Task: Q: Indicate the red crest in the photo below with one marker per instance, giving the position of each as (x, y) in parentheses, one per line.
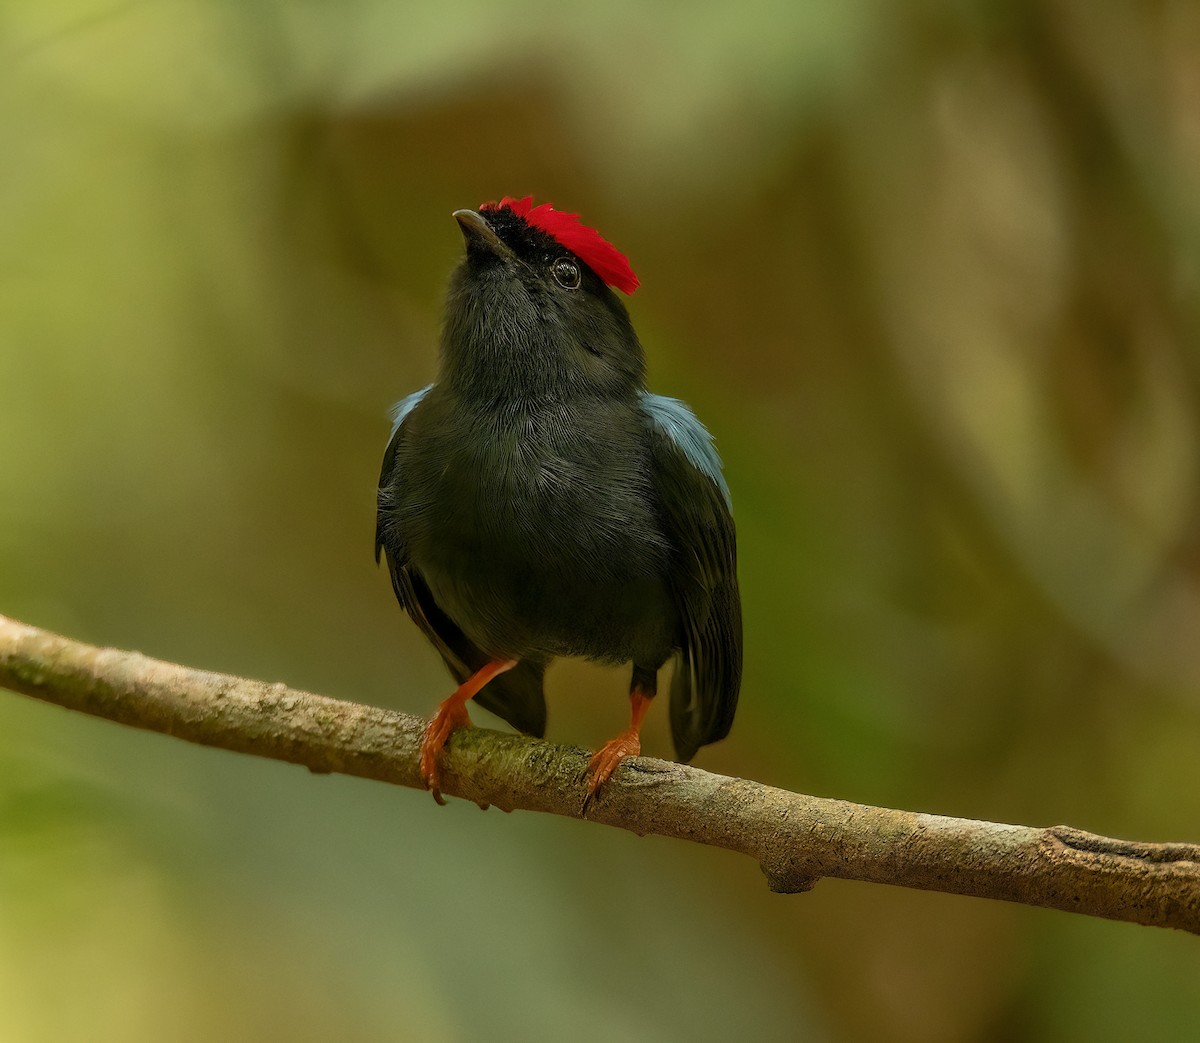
(585, 243)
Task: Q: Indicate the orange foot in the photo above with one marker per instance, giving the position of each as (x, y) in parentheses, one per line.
(606, 759)
(627, 744)
(451, 716)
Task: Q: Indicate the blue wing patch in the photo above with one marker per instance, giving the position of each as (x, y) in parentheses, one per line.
(680, 425)
(405, 406)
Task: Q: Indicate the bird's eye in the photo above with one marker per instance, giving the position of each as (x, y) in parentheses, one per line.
(566, 273)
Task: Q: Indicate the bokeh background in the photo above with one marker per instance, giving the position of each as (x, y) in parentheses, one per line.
(929, 271)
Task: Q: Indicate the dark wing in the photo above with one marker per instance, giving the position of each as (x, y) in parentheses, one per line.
(387, 536)
(517, 695)
(697, 519)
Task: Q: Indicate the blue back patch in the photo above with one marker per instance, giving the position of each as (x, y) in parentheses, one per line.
(405, 406)
(676, 420)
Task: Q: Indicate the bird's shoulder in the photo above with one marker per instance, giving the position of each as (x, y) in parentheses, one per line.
(688, 441)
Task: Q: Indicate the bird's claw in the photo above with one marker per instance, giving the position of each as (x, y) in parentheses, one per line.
(605, 760)
(449, 718)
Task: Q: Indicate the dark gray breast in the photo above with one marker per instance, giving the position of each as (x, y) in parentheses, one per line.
(536, 527)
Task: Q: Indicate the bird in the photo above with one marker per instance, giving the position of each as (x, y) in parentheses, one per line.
(536, 501)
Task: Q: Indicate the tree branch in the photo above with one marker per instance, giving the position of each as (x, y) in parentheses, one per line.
(796, 839)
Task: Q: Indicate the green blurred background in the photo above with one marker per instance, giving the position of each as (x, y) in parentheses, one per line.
(930, 272)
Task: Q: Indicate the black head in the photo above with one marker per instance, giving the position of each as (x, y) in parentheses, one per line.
(527, 317)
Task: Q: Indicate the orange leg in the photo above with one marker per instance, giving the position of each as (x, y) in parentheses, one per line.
(450, 716)
(627, 744)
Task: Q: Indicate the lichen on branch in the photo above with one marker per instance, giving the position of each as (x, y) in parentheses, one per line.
(795, 838)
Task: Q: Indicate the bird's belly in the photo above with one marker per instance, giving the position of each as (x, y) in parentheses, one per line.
(534, 615)
(553, 579)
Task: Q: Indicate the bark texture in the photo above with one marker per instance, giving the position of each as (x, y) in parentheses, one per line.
(796, 839)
